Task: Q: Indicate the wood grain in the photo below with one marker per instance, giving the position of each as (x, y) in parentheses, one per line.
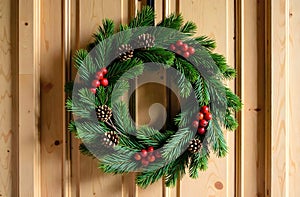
(280, 99)
(28, 101)
(52, 100)
(6, 112)
(293, 93)
(285, 91)
(91, 13)
(252, 122)
(214, 19)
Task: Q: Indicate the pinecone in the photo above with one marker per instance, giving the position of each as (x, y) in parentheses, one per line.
(145, 41)
(110, 138)
(125, 52)
(103, 113)
(195, 146)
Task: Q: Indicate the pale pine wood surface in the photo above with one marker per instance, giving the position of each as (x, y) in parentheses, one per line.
(294, 104)
(5, 100)
(285, 102)
(280, 102)
(214, 19)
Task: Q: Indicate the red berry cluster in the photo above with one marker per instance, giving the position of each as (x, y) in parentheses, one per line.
(99, 80)
(147, 156)
(182, 48)
(203, 118)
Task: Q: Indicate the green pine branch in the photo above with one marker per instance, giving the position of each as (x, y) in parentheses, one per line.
(119, 161)
(230, 122)
(144, 18)
(216, 138)
(233, 101)
(177, 169)
(199, 161)
(78, 109)
(157, 55)
(122, 118)
(146, 178)
(177, 144)
(173, 21)
(127, 70)
(152, 137)
(189, 28)
(85, 65)
(88, 131)
(202, 91)
(105, 31)
(206, 42)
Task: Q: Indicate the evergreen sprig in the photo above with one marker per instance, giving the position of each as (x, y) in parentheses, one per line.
(144, 18)
(173, 21)
(177, 144)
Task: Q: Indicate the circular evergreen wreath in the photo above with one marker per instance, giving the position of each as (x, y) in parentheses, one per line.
(107, 71)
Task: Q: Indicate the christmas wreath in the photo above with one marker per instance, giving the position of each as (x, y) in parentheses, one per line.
(108, 70)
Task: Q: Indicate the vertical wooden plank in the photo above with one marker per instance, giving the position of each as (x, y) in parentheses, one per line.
(293, 96)
(294, 93)
(144, 102)
(6, 112)
(74, 142)
(92, 182)
(253, 107)
(230, 56)
(66, 64)
(280, 102)
(262, 101)
(52, 99)
(27, 89)
(214, 19)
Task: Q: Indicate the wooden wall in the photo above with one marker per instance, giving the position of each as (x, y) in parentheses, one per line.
(5, 99)
(39, 158)
(284, 67)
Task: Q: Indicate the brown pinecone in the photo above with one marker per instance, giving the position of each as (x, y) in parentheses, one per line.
(145, 41)
(195, 146)
(110, 138)
(125, 52)
(103, 113)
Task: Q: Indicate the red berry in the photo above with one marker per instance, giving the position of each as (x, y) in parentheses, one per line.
(157, 154)
(104, 71)
(195, 123)
(99, 75)
(93, 90)
(191, 50)
(203, 123)
(150, 149)
(172, 47)
(184, 47)
(179, 43)
(186, 54)
(145, 162)
(144, 153)
(208, 116)
(95, 83)
(151, 158)
(204, 109)
(137, 156)
(200, 116)
(201, 130)
(178, 52)
(104, 82)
